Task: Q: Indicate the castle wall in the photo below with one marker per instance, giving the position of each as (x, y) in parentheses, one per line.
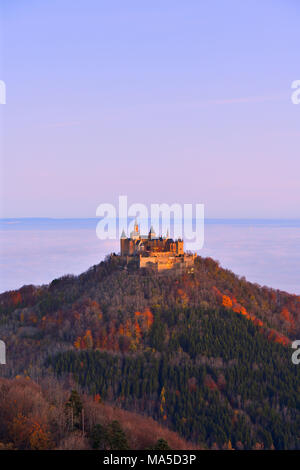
(130, 246)
(163, 261)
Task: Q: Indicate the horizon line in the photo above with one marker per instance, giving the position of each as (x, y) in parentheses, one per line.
(132, 217)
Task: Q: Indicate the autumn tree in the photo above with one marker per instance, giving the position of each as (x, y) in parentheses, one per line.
(74, 408)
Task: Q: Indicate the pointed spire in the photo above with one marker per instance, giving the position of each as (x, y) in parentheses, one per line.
(135, 234)
(152, 233)
(136, 226)
(123, 235)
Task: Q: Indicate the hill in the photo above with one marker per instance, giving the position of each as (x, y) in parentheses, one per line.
(207, 353)
(38, 416)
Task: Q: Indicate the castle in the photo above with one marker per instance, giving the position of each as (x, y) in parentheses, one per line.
(159, 252)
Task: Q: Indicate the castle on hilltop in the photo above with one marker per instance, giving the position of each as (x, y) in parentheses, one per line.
(159, 252)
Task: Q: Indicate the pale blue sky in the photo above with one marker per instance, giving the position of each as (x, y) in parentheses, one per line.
(164, 101)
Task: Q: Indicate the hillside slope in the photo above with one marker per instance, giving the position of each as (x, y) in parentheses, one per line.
(37, 417)
(205, 353)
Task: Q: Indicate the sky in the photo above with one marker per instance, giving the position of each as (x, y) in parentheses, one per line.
(163, 101)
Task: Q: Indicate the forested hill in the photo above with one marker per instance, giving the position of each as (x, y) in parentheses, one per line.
(109, 297)
(206, 353)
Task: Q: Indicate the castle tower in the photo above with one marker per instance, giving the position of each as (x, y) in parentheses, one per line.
(135, 234)
(136, 227)
(123, 243)
(151, 234)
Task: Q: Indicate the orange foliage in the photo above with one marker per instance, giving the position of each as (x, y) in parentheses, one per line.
(121, 329)
(278, 338)
(226, 301)
(88, 339)
(15, 298)
(273, 335)
(286, 315)
(86, 342)
(77, 343)
(29, 434)
(146, 318)
(183, 297)
(39, 439)
(97, 398)
(149, 317)
(138, 332)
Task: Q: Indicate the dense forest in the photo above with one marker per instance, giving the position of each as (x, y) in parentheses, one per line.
(205, 354)
(53, 415)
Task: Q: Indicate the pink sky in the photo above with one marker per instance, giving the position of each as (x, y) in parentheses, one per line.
(161, 101)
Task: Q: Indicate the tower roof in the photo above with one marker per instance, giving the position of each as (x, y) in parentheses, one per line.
(136, 231)
(123, 235)
(152, 233)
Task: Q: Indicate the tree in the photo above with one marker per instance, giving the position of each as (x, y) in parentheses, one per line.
(111, 437)
(116, 437)
(74, 407)
(161, 444)
(98, 437)
(39, 438)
